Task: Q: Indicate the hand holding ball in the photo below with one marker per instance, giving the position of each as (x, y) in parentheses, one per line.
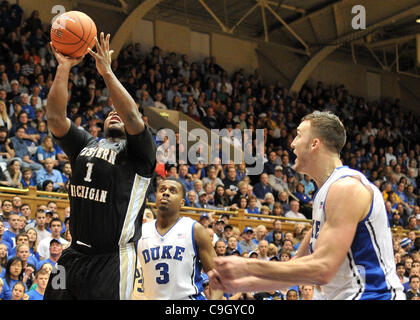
(73, 33)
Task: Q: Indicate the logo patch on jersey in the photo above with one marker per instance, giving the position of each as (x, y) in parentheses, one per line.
(182, 236)
(321, 205)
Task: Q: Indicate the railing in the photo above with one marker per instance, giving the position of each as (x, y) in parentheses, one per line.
(238, 218)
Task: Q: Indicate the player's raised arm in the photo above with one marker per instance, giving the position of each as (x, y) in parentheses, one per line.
(56, 108)
(123, 102)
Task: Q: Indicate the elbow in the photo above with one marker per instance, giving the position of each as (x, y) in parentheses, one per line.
(325, 274)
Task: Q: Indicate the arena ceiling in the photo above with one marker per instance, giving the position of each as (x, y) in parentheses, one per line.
(305, 27)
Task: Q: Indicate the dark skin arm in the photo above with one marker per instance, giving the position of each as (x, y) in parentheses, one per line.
(124, 104)
(56, 107)
(206, 254)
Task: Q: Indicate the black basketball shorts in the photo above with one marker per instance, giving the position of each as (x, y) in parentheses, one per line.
(93, 276)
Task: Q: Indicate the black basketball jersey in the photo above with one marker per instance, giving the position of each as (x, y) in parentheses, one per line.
(108, 187)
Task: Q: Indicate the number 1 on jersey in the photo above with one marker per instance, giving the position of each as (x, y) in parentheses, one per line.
(89, 166)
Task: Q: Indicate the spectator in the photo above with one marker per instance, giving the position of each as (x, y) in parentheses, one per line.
(9, 236)
(307, 292)
(220, 248)
(18, 291)
(294, 211)
(414, 290)
(12, 174)
(232, 246)
(277, 226)
(292, 295)
(308, 185)
(252, 205)
(40, 224)
(27, 178)
(220, 197)
(6, 147)
(185, 177)
(284, 201)
(22, 151)
(400, 269)
(212, 177)
(23, 253)
(49, 173)
(55, 251)
(56, 228)
(218, 228)
(41, 279)
(263, 250)
(277, 181)
(205, 220)
(46, 151)
(13, 275)
(412, 223)
(246, 244)
(262, 187)
(66, 172)
(4, 118)
(288, 247)
(203, 201)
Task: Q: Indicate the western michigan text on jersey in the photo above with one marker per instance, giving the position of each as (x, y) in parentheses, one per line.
(88, 193)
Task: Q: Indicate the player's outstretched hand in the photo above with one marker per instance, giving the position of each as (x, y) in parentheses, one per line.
(63, 60)
(229, 274)
(103, 55)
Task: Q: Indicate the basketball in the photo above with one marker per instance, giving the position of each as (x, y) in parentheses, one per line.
(72, 33)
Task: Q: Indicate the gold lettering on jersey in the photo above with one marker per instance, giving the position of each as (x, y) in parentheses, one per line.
(88, 193)
(100, 153)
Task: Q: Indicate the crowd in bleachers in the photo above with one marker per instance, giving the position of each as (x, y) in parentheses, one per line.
(382, 143)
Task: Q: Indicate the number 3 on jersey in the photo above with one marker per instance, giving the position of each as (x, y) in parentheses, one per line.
(164, 275)
(89, 166)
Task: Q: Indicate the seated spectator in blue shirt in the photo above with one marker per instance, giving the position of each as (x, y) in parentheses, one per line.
(41, 278)
(262, 187)
(26, 107)
(21, 150)
(400, 192)
(46, 151)
(9, 236)
(308, 184)
(66, 172)
(191, 199)
(27, 178)
(4, 251)
(300, 194)
(252, 205)
(198, 169)
(14, 274)
(185, 177)
(30, 136)
(49, 173)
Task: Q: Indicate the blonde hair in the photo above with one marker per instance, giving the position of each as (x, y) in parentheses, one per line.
(44, 146)
(3, 113)
(272, 250)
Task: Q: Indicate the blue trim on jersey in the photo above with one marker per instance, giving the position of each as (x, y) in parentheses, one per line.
(196, 277)
(192, 238)
(364, 254)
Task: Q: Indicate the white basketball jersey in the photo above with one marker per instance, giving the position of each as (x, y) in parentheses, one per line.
(170, 263)
(368, 272)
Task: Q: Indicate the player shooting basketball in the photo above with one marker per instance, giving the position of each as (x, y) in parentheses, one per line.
(107, 188)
